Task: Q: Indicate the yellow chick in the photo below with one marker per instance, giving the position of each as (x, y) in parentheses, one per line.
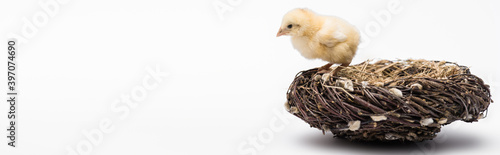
(321, 37)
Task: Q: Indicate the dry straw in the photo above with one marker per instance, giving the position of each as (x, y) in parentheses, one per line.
(405, 100)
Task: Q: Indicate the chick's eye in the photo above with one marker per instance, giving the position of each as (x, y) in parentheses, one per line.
(289, 26)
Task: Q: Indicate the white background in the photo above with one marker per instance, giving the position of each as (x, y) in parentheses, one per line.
(227, 76)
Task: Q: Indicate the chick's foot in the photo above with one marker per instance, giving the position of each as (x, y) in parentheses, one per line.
(342, 66)
(325, 69)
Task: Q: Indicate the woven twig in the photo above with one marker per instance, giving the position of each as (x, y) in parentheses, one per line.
(406, 100)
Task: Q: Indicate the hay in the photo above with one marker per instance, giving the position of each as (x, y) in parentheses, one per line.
(404, 100)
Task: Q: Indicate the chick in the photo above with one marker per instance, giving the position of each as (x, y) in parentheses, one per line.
(321, 37)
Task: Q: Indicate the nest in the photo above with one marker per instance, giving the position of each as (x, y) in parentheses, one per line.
(404, 100)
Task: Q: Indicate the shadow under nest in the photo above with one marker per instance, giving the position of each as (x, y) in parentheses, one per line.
(404, 100)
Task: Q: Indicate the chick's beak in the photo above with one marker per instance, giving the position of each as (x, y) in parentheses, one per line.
(280, 33)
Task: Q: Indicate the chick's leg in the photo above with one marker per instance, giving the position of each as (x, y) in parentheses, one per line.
(342, 66)
(325, 68)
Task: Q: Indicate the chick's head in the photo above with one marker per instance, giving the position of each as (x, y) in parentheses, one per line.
(295, 22)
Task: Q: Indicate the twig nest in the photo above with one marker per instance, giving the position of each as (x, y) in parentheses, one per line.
(406, 100)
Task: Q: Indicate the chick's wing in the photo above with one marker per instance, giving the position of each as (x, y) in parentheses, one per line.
(330, 34)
